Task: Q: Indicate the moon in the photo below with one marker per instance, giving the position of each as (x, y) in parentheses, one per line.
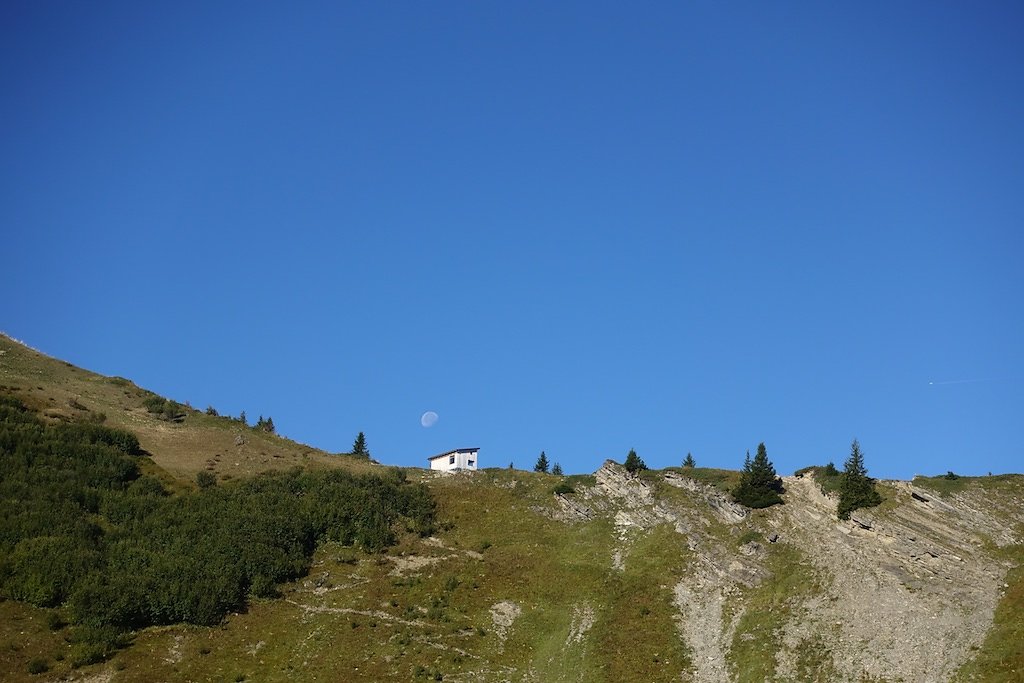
(428, 419)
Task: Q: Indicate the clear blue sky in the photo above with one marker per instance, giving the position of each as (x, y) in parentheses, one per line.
(577, 227)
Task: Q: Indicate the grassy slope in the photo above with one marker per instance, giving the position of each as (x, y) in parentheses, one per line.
(200, 442)
(354, 618)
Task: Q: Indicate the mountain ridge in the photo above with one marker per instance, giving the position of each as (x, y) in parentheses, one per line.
(653, 576)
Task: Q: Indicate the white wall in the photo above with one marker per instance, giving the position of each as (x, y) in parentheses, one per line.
(464, 460)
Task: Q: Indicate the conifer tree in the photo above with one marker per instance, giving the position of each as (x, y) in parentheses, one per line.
(542, 463)
(556, 470)
(359, 447)
(759, 485)
(856, 489)
(633, 462)
(689, 462)
(241, 418)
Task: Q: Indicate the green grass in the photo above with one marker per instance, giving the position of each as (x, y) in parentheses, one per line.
(767, 608)
(637, 635)
(1001, 657)
(725, 480)
(199, 442)
(943, 486)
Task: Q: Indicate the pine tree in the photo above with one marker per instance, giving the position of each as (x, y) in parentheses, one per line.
(633, 462)
(268, 425)
(689, 462)
(856, 489)
(241, 418)
(542, 463)
(556, 470)
(359, 447)
(759, 485)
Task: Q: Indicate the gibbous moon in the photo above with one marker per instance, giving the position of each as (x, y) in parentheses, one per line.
(428, 419)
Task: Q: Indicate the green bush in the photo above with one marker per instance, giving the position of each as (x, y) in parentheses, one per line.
(38, 666)
(563, 488)
(165, 409)
(749, 536)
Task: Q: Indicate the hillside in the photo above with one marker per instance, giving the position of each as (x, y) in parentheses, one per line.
(181, 448)
(652, 578)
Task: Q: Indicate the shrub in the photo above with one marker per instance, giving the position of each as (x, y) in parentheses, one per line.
(154, 404)
(749, 536)
(206, 480)
(563, 489)
(38, 666)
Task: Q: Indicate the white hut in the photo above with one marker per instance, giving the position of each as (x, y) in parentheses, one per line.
(452, 461)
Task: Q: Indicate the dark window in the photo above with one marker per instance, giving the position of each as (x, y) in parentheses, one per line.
(451, 459)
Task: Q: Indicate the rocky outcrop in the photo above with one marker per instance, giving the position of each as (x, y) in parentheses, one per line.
(909, 589)
(721, 505)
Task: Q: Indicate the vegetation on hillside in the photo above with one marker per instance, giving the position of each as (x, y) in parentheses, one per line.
(856, 489)
(542, 463)
(85, 529)
(634, 463)
(853, 486)
(359, 446)
(759, 486)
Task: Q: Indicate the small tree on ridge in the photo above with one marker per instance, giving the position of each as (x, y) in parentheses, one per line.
(759, 485)
(634, 463)
(857, 489)
(359, 447)
(542, 463)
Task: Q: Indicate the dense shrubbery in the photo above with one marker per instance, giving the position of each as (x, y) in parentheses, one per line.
(83, 528)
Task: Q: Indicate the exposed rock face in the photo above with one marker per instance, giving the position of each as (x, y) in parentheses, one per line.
(503, 616)
(906, 589)
(728, 511)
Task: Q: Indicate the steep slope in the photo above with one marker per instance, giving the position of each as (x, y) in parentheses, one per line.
(197, 442)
